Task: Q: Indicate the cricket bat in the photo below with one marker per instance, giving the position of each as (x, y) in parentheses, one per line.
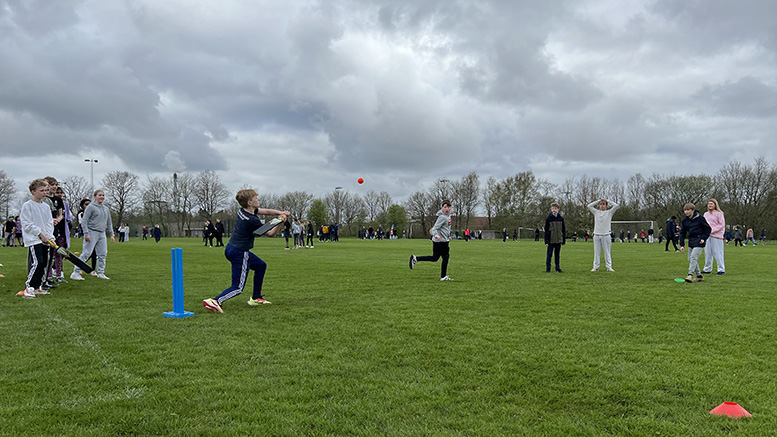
(70, 256)
(265, 228)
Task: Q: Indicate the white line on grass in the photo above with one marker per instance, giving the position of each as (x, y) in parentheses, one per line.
(133, 387)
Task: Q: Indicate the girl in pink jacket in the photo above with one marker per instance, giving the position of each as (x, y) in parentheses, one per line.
(713, 251)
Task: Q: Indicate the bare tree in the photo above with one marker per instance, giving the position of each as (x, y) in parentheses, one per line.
(297, 203)
(417, 207)
(183, 200)
(468, 196)
(383, 202)
(354, 210)
(747, 191)
(491, 198)
(156, 199)
(7, 192)
(269, 200)
(76, 188)
(635, 191)
(122, 192)
(442, 189)
(371, 203)
(211, 193)
(335, 202)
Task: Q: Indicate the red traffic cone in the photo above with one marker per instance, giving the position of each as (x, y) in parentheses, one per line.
(730, 409)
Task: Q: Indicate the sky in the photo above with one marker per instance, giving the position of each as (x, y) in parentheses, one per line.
(311, 95)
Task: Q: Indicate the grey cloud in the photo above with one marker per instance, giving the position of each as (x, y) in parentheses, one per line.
(398, 87)
(40, 17)
(717, 25)
(747, 97)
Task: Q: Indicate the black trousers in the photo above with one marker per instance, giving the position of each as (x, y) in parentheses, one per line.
(439, 250)
(674, 243)
(37, 264)
(553, 249)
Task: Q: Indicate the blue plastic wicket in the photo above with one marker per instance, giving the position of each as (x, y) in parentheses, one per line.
(176, 257)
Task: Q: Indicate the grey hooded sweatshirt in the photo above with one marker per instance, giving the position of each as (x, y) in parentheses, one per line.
(97, 218)
(442, 228)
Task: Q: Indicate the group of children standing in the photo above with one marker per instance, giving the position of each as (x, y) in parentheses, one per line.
(44, 221)
(701, 231)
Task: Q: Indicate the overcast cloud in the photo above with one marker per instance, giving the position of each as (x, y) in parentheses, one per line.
(306, 95)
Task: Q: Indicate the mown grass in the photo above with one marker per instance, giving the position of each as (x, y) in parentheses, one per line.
(355, 343)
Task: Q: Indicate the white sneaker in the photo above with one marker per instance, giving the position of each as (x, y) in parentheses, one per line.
(29, 293)
(94, 273)
(102, 276)
(41, 291)
(446, 278)
(76, 277)
(594, 269)
(609, 269)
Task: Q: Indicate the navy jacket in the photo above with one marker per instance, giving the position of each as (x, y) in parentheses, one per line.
(671, 228)
(696, 228)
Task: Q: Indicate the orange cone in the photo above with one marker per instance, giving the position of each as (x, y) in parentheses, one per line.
(730, 409)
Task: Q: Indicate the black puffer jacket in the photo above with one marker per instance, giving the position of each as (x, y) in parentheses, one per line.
(696, 228)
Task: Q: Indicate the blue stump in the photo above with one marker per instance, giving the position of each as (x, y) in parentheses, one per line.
(176, 256)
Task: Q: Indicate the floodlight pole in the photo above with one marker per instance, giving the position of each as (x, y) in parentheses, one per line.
(91, 184)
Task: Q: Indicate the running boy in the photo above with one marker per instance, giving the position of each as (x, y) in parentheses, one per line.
(238, 251)
(555, 236)
(698, 231)
(441, 237)
(37, 230)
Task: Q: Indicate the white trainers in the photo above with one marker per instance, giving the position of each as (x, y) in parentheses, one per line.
(594, 269)
(76, 276)
(41, 291)
(102, 276)
(94, 273)
(29, 293)
(446, 278)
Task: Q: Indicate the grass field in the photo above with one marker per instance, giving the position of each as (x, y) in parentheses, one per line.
(355, 343)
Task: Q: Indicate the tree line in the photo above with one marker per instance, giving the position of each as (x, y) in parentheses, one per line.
(746, 193)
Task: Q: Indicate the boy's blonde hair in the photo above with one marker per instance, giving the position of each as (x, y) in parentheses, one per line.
(244, 195)
(37, 183)
(554, 204)
(713, 200)
(689, 206)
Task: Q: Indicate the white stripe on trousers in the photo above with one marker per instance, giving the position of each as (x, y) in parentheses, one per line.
(33, 266)
(241, 284)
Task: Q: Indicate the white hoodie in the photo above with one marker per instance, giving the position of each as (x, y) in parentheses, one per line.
(602, 219)
(36, 219)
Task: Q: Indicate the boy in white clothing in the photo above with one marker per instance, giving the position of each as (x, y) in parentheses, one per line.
(602, 229)
(37, 229)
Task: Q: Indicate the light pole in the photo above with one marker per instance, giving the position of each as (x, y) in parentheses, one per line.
(91, 186)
